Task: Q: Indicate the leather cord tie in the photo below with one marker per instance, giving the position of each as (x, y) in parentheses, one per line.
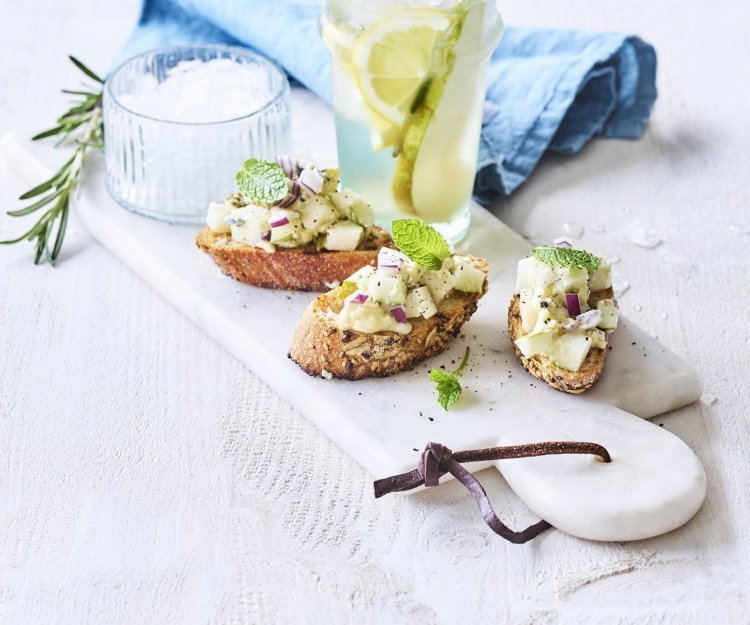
(437, 460)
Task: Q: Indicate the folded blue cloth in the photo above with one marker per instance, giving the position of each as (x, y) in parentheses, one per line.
(547, 89)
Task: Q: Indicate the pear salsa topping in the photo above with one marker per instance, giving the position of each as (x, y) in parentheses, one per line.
(407, 284)
(283, 204)
(566, 304)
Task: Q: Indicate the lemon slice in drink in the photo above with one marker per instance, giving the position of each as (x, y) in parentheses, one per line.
(392, 59)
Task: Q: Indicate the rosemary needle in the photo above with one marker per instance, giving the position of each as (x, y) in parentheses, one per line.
(82, 125)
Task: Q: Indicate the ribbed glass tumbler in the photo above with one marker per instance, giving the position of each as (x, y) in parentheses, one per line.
(169, 169)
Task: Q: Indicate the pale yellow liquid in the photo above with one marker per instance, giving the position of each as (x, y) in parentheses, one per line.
(443, 174)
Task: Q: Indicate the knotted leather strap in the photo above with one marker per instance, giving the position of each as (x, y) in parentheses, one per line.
(437, 460)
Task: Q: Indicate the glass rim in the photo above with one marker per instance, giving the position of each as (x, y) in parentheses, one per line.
(497, 27)
(272, 66)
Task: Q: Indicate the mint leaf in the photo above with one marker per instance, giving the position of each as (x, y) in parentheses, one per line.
(263, 182)
(448, 386)
(420, 242)
(565, 257)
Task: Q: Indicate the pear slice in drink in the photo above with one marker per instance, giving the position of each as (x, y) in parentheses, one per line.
(436, 164)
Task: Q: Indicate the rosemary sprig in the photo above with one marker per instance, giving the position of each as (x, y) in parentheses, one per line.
(81, 124)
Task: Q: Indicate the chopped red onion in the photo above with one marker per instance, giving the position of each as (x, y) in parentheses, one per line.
(589, 319)
(574, 304)
(359, 298)
(279, 222)
(390, 258)
(289, 165)
(388, 270)
(266, 236)
(399, 314)
(312, 180)
(562, 242)
(292, 197)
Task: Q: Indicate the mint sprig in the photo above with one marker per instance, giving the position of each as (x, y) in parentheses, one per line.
(420, 242)
(565, 257)
(263, 182)
(448, 386)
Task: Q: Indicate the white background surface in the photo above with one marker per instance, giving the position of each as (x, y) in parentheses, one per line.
(147, 477)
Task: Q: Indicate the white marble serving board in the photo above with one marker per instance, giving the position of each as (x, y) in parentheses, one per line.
(384, 424)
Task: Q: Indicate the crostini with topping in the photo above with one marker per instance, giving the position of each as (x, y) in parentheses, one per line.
(291, 227)
(561, 316)
(390, 317)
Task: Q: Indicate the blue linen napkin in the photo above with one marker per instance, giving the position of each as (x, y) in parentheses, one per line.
(547, 89)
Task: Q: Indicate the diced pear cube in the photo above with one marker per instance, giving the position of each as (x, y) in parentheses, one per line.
(344, 236)
(419, 303)
(362, 213)
(277, 214)
(439, 282)
(573, 280)
(341, 200)
(412, 273)
(610, 314)
(533, 344)
(330, 180)
(283, 233)
(529, 306)
(469, 279)
(412, 306)
(528, 270)
(361, 277)
(354, 207)
(216, 217)
(601, 277)
(570, 350)
(388, 289)
(317, 213)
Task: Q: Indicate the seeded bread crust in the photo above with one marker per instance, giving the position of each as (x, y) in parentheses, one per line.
(318, 346)
(542, 368)
(295, 269)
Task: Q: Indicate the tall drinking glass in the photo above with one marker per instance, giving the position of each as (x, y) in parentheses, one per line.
(409, 78)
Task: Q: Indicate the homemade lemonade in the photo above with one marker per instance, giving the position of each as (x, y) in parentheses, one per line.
(408, 93)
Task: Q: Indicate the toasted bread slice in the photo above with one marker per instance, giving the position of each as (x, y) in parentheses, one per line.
(296, 269)
(320, 348)
(542, 368)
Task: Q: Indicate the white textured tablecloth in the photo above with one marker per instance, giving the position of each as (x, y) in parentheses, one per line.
(147, 477)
